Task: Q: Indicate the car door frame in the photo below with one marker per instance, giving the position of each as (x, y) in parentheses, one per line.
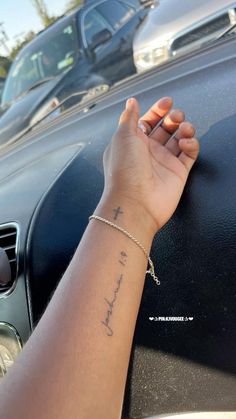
(113, 31)
(85, 12)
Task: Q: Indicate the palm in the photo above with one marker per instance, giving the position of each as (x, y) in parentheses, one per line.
(165, 178)
(169, 178)
(166, 164)
(153, 168)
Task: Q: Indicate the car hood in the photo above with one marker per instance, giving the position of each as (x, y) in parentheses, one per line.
(19, 113)
(172, 16)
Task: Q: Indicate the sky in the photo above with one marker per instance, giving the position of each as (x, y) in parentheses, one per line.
(19, 17)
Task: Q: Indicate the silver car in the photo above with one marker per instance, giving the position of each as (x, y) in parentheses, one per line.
(178, 26)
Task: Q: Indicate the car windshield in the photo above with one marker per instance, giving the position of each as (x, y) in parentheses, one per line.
(97, 45)
(41, 62)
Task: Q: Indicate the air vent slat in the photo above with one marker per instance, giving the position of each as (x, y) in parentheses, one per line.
(8, 241)
(4, 288)
(7, 235)
(9, 247)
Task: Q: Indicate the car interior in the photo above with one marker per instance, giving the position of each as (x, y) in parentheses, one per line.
(50, 183)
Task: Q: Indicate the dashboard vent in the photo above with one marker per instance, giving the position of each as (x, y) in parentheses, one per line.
(8, 242)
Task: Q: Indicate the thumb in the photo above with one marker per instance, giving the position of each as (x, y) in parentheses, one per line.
(129, 118)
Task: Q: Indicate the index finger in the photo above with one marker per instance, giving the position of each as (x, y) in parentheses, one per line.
(156, 113)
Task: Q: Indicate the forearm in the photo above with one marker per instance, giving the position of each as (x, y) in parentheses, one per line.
(84, 338)
(75, 363)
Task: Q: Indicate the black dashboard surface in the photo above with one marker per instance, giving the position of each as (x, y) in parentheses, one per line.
(52, 182)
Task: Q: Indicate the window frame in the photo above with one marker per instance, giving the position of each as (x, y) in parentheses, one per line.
(112, 30)
(83, 36)
(127, 6)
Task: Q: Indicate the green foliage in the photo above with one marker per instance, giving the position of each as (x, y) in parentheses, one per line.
(3, 72)
(5, 63)
(72, 4)
(20, 44)
(42, 11)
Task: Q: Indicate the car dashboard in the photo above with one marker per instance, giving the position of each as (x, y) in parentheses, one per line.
(50, 183)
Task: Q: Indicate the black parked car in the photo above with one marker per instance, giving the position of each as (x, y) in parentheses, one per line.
(90, 47)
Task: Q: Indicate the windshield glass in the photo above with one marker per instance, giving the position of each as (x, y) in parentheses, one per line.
(105, 43)
(43, 59)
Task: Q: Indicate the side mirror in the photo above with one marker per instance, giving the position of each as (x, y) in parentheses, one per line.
(100, 38)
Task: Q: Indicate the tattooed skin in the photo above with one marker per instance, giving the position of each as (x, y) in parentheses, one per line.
(110, 304)
(117, 211)
(123, 258)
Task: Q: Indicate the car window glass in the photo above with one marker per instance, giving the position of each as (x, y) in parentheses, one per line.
(43, 59)
(115, 12)
(94, 23)
(59, 53)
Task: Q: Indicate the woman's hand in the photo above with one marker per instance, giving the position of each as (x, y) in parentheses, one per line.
(150, 171)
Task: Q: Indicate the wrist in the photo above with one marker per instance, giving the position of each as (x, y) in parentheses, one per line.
(127, 213)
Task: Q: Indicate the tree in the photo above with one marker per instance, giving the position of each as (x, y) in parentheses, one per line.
(5, 63)
(42, 11)
(72, 4)
(20, 44)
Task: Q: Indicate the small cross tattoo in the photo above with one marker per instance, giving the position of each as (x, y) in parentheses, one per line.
(117, 211)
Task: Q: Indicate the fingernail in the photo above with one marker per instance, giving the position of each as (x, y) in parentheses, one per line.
(189, 141)
(129, 104)
(132, 105)
(142, 127)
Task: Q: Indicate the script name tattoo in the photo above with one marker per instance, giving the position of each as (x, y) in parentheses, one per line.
(110, 304)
